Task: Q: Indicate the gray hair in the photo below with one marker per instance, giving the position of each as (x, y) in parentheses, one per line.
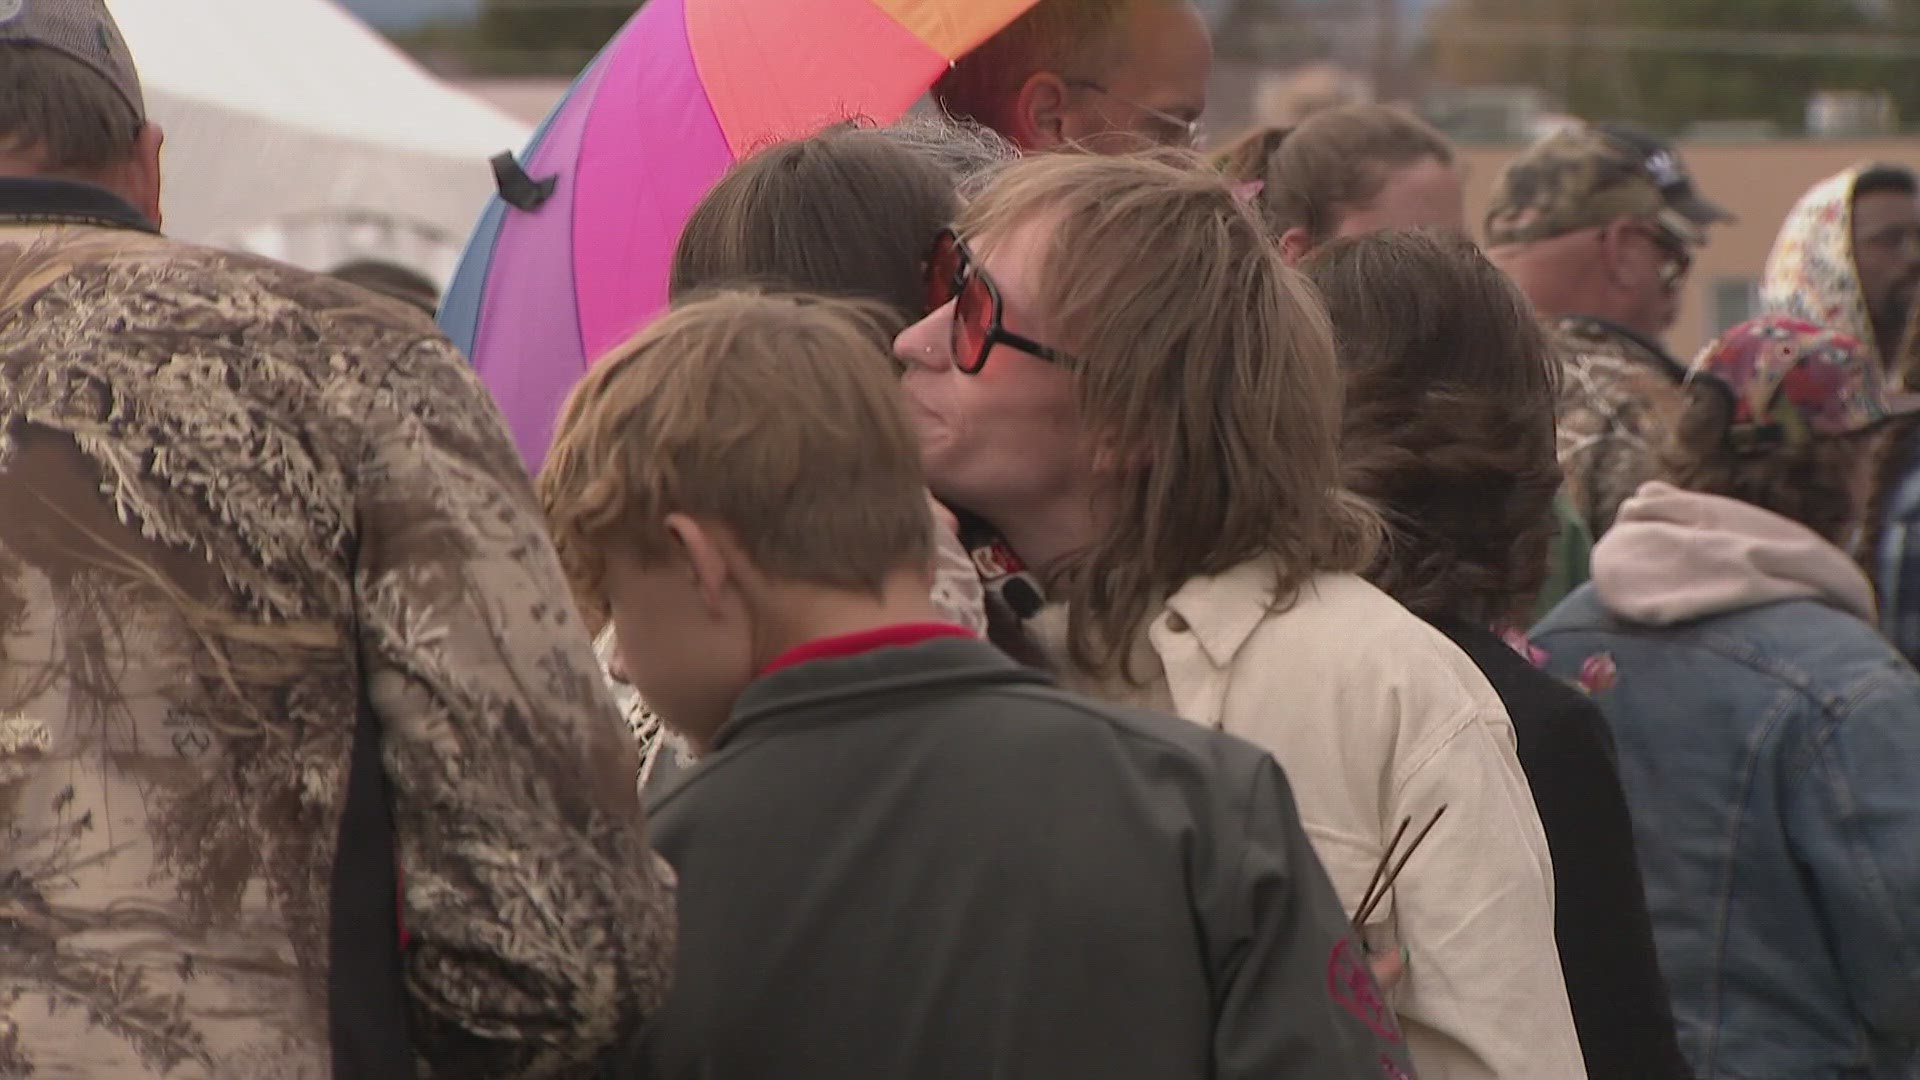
(970, 153)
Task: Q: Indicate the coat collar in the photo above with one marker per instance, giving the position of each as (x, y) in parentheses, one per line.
(884, 676)
(1224, 610)
(27, 200)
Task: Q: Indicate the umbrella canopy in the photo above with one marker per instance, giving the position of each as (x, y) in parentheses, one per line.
(295, 130)
(686, 89)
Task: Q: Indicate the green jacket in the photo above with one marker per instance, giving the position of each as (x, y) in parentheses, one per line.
(1567, 560)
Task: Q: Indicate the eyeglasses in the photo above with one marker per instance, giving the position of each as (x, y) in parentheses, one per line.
(1179, 132)
(1676, 258)
(954, 276)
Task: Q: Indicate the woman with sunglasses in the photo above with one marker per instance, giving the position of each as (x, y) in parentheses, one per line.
(1127, 382)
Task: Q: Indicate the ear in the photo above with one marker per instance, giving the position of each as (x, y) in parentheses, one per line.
(706, 555)
(1039, 118)
(1294, 245)
(1615, 243)
(1111, 457)
(143, 177)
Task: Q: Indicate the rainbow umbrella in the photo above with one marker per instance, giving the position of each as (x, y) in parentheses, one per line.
(572, 258)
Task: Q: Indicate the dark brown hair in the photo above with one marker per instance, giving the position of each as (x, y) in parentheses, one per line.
(1813, 483)
(849, 212)
(1334, 162)
(778, 416)
(1449, 423)
(1224, 387)
(61, 108)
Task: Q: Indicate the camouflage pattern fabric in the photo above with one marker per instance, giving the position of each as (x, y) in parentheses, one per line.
(1618, 397)
(1591, 175)
(239, 503)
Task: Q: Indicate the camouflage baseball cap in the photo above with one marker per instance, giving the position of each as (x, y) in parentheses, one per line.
(1591, 175)
(1792, 382)
(82, 29)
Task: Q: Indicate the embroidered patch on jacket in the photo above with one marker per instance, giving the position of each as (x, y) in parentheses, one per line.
(1598, 674)
(1350, 981)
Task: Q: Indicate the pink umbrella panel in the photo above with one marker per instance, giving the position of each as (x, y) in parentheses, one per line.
(687, 88)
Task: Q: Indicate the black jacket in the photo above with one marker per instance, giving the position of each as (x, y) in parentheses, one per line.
(926, 862)
(1620, 1003)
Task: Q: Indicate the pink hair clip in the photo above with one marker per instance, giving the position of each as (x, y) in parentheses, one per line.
(1249, 190)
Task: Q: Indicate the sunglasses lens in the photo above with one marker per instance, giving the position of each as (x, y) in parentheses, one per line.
(943, 272)
(972, 318)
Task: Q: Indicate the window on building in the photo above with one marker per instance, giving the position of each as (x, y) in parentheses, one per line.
(1735, 300)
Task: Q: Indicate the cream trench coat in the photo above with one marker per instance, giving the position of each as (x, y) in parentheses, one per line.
(1376, 716)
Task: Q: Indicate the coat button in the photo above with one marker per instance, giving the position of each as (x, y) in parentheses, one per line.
(1177, 623)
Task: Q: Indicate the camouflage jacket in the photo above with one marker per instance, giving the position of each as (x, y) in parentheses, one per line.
(1618, 393)
(257, 526)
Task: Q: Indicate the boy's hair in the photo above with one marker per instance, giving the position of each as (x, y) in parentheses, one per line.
(776, 416)
(1449, 421)
(849, 212)
(1335, 162)
(1199, 354)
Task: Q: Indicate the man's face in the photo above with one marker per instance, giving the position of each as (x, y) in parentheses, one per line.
(1886, 251)
(1657, 263)
(1005, 441)
(1153, 92)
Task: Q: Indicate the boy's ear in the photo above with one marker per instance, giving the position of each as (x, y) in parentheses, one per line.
(707, 554)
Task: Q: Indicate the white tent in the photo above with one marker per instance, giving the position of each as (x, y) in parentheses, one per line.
(295, 131)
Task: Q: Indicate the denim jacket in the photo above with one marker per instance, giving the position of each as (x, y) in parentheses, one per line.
(1771, 759)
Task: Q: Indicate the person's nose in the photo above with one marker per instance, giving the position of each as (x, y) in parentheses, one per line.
(927, 344)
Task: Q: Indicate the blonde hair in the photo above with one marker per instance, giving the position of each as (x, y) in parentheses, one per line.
(1333, 163)
(1200, 354)
(776, 416)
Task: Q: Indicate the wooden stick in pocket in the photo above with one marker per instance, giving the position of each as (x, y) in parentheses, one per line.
(1377, 888)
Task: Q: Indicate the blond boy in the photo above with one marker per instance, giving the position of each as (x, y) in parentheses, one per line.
(901, 854)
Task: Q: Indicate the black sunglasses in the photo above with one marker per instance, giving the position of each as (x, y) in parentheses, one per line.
(953, 275)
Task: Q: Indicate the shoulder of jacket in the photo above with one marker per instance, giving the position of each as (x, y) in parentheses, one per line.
(1580, 339)
(1347, 628)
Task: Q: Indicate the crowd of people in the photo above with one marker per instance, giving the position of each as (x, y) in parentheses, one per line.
(1081, 607)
